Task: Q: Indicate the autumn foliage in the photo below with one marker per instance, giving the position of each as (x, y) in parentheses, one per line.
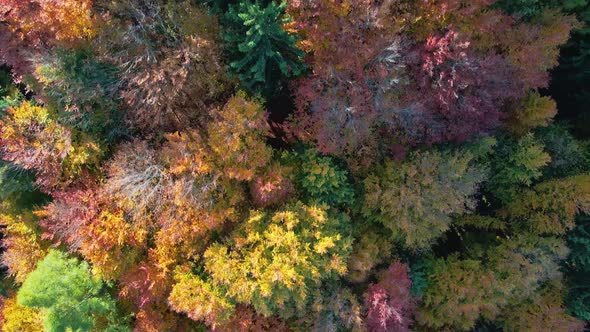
(294, 165)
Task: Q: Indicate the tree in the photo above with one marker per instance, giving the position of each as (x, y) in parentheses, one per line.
(568, 156)
(62, 219)
(236, 137)
(531, 112)
(551, 206)
(370, 250)
(516, 164)
(147, 287)
(20, 318)
(336, 103)
(31, 138)
(578, 267)
(417, 198)
(37, 25)
(320, 178)
(274, 262)
(168, 57)
(272, 187)
(71, 297)
(464, 92)
(111, 243)
(82, 90)
(389, 302)
(531, 8)
(260, 50)
(458, 293)
(246, 319)
(543, 312)
(22, 243)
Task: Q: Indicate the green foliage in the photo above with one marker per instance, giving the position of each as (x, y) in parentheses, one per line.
(15, 184)
(458, 293)
(275, 261)
(531, 8)
(531, 112)
(417, 198)
(568, 156)
(517, 163)
(319, 178)
(551, 206)
(578, 297)
(261, 52)
(83, 91)
(70, 296)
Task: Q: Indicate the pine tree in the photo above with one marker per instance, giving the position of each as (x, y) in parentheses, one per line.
(261, 51)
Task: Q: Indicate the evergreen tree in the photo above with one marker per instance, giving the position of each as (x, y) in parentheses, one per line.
(261, 52)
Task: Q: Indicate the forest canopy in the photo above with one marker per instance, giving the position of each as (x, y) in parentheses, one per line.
(294, 165)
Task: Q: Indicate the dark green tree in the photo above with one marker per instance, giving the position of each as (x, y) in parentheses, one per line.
(578, 269)
(516, 164)
(261, 52)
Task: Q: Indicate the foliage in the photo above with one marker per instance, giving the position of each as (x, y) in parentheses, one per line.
(458, 292)
(568, 155)
(516, 163)
(578, 296)
(369, 251)
(237, 136)
(82, 90)
(272, 187)
(260, 51)
(543, 312)
(531, 8)
(389, 302)
(417, 198)
(31, 138)
(320, 178)
(531, 112)
(274, 262)
(22, 243)
(168, 59)
(111, 243)
(20, 318)
(71, 297)
(550, 207)
(301, 165)
(38, 24)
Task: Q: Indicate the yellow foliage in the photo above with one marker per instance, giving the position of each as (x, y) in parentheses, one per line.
(18, 318)
(111, 243)
(238, 138)
(23, 244)
(66, 20)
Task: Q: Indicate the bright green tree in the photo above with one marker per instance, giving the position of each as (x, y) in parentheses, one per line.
(71, 297)
(260, 51)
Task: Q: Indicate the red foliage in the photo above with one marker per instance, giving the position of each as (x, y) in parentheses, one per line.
(30, 26)
(147, 287)
(335, 106)
(272, 187)
(462, 93)
(70, 210)
(389, 302)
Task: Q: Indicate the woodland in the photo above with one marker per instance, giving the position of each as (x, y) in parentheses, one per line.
(294, 165)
